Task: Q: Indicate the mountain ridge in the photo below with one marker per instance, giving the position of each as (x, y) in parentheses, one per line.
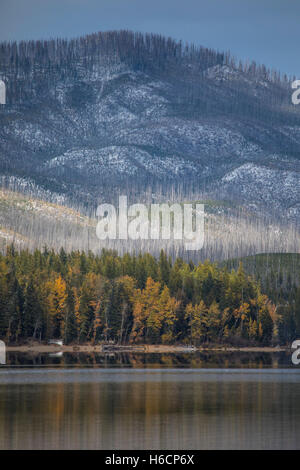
(118, 111)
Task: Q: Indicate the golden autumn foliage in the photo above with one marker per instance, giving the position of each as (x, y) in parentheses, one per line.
(57, 305)
(138, 299)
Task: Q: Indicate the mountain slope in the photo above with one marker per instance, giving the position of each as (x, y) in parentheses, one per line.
(120, 112)
(230, 231)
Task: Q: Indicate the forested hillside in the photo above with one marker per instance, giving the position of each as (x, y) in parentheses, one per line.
(160, 121)
(121, 111)
(81, 297)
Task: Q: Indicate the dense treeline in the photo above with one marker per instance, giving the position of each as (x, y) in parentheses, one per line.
(136, 49)
(285, 292)
(278, 275)
(132, 299)
(30, 68)
(142, 51)
(39, 64)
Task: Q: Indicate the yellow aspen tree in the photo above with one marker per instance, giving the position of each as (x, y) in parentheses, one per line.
(138, 327)
(168, 307)
(214, 321)
(198, 321)
(253, 329)
(154, 316)
(97, 321)
(76, 309)
(57, 301)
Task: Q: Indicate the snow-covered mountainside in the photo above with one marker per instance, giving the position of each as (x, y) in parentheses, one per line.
(88, 118)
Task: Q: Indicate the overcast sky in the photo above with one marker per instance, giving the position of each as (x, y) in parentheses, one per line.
(264, 30)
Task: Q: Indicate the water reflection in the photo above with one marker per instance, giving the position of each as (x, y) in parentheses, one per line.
(136, 407)
(205, 360)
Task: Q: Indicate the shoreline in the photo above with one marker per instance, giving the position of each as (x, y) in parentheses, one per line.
(144, 349)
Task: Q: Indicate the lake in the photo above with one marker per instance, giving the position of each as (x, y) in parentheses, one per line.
(159, 401)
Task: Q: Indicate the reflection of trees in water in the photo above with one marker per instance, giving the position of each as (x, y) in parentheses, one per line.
(147, 413)
(220, 359)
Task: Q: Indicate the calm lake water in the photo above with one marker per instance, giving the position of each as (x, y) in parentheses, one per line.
(190, 401)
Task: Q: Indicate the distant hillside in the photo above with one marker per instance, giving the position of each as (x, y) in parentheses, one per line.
(282, 269)
(31, 222)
